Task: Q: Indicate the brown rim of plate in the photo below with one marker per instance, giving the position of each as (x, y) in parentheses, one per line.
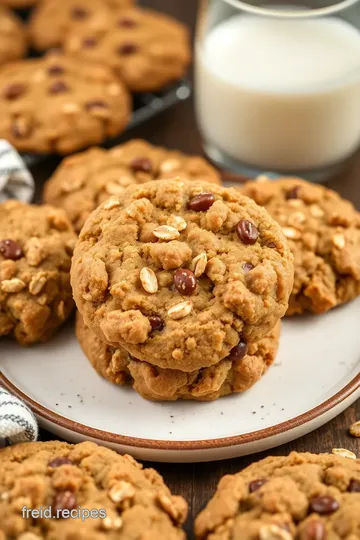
(206, 444)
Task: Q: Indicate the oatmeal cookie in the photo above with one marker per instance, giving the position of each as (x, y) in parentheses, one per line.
(13, 42)
(181, 274)
(36, 245)
(124, 500)
(57, 104)
(323, 232)
(301, 496)
(85, 180)
(18, 4)
(52, 20)
(145, 49)
(157, 384)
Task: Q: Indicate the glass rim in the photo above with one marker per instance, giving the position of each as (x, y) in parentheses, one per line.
(289, 14)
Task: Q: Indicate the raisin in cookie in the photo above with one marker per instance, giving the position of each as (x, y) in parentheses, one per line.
(83, 181)
(301, 496)
(36, 245)
(181, 274)
(323, 232)
(57, 104)
(146, 49)
(13, 43)
(52, 20)
(122, 500)
(157, 384)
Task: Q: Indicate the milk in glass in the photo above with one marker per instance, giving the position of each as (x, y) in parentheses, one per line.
(280, 94)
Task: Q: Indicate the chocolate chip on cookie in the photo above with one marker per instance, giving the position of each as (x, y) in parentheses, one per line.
(208, 312)
(83, 181)
(122, 502)
(227, 377)
(35, 292)
(301, 496)
(323, 232)
(57, 104)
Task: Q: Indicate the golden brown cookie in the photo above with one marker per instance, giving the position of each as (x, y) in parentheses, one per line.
(83, 181)
(146, 49)
(301, 496)
(158, 384)
(58, 104)
(13, 42)
(52, 20)
(83, 492)
(181, 274)
(36, 245)
(323, 232)
(18, 4)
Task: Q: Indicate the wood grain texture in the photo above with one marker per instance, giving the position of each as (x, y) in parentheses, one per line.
(177, 129)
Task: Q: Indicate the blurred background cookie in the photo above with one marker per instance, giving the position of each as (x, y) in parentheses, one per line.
(145, 49)
(57, 104)
(13, 42)
(52, 20)
(85, 180)
(36, 245)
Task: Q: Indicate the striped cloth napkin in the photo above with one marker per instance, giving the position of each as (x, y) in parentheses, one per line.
(16, 181)
(17, 422)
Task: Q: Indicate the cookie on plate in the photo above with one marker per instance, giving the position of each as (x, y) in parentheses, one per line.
(157, 384)
(323, 232)
(52, 20)
(302, 496)
(13, 42)
(83, 181)
(146, 49)
(58, 104)
(36, 245)
(181, 274)
(84, 491)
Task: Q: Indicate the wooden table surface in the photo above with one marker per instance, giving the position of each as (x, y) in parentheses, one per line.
(177, 129)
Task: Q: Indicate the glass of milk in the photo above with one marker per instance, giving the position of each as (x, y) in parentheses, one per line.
(278, 85)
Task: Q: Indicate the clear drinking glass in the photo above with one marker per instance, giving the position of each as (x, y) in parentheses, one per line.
(278, 85)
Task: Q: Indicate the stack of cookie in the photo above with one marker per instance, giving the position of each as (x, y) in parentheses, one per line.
(99, 52)
(181, 285)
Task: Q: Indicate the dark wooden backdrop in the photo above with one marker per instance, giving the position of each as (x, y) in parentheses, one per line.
(177, 129)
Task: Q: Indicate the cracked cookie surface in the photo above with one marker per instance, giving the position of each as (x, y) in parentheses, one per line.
(181, 274)
(64, 477)
(36, 245)
(300, 496)
(85, 180)
(51, 21)
(323, 232)
(157, 384)
(57, 104)
(145, 49)
(13, 42)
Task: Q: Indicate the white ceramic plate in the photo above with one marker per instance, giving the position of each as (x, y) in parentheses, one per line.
(315, 377)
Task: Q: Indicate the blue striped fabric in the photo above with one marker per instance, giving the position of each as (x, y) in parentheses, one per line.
(17, 422)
